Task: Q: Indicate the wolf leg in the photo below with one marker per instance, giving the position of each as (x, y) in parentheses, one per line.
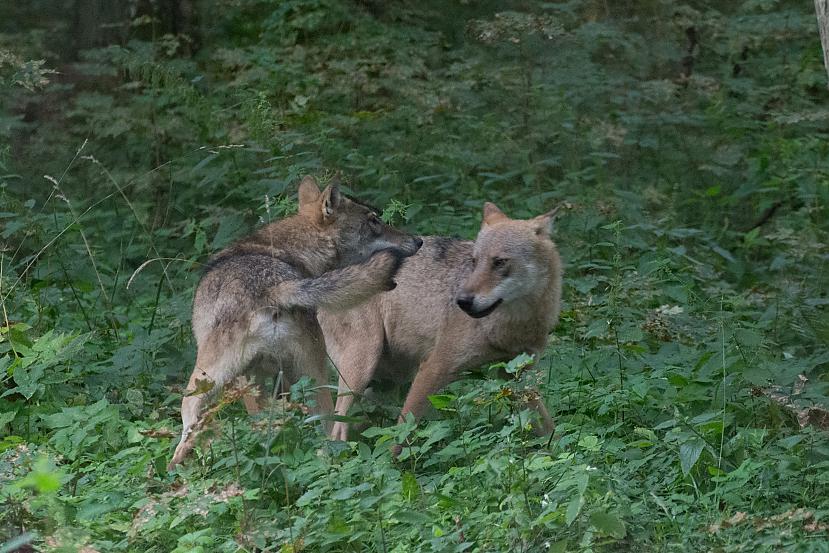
(341, 289)
(251, 400)
(354, 340)
(309, 359)
(216, 365)
(548, 425)
(432, 375)
(535, 402)
(356, 383)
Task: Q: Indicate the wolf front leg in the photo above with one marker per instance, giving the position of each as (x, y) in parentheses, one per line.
(439, 369)
(431, 377)
(534, 401)
(547, 425)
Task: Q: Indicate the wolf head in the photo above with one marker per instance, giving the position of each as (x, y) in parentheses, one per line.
(512, 260)
(356, 228)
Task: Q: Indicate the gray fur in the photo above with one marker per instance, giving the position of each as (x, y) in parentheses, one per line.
(254, 308)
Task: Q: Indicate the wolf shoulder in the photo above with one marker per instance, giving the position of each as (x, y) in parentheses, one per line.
(442, 261)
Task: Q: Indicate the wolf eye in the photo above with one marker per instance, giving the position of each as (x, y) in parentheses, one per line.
(499, 262)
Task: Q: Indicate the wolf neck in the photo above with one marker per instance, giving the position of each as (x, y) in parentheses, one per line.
(537, 306)
(302, 243)
(534, 315)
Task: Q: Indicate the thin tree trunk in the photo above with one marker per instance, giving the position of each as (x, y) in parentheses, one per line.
(822, 10)
(99, 23)
(104, 22)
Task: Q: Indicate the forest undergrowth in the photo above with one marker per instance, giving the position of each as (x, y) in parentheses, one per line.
(686, 142)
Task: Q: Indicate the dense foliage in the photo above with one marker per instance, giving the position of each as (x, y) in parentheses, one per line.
(688, 375)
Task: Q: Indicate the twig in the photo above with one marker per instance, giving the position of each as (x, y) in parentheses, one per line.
(767, 214)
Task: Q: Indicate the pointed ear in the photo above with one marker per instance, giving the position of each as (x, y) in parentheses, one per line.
(331, 198)
(543, 224)
(492, 214)
(309, 192)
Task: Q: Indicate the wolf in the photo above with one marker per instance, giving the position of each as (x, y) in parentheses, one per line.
(458, 305)
(254, 307)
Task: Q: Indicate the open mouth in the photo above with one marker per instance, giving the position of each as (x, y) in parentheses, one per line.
(485, 312)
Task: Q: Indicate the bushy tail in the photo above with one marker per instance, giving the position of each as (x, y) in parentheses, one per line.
(341, 289)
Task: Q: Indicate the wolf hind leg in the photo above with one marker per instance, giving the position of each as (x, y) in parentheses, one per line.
(216, 365)
(356, 366)
(309, 360)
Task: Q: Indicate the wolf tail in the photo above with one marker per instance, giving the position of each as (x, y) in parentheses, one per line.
(341, 289)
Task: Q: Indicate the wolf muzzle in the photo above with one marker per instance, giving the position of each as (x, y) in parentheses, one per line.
(467, 305)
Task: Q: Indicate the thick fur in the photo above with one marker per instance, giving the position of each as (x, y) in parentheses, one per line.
(254, 309)
(508, 283)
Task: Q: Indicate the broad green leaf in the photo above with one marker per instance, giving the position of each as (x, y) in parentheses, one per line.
(689, 452)
(608, 524)
(442, 401)
(573, 509)
(411, 489)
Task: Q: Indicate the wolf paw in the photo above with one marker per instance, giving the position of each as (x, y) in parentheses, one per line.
(388, 262)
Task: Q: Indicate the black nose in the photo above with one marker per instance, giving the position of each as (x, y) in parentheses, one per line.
(418, 242)
(465, 302)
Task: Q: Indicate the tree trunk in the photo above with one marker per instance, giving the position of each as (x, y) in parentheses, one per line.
(99, 23)
(104, 22)
(822, 10)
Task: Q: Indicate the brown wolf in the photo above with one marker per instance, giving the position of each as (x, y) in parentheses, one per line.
(458, 305)
(254, 308)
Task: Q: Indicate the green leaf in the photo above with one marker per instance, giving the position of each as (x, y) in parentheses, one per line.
(347, 493)
(519, 363)
(558, 547)
(791, 441)
(7, 417)
(411, 489)
(589, 442)
(412, 517)
(442, 401)
(608, 524)
(689, 453)
(748, 338)
(573, 509)
(44, 477)
(203, 385)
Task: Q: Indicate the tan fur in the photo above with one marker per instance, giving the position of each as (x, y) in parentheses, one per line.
(254, 308)
(419, 329)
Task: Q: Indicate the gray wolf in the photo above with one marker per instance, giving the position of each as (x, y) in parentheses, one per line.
(254, 308)
(458, 305)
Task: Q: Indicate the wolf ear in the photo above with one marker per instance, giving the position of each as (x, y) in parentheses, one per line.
(309, 192)
(543, 224)
(492, 214)
(331, 198)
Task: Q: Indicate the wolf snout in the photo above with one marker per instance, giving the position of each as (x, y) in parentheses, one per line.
(465, 302)
(414, 245)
